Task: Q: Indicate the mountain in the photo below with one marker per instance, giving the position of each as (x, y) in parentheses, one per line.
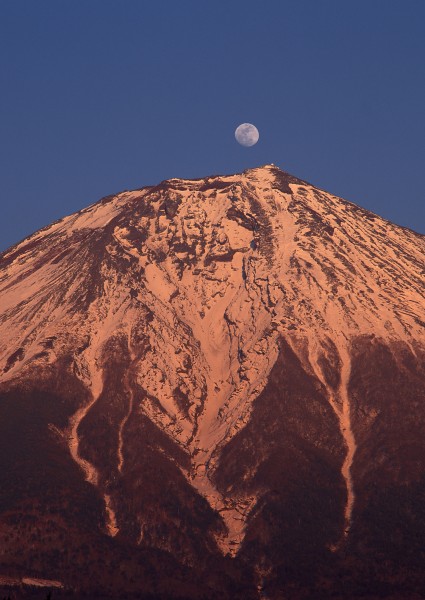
(215, 388)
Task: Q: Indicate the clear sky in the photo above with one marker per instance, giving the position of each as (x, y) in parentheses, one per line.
(97, 96)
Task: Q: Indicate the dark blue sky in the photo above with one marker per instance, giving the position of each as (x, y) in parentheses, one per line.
(97, 96)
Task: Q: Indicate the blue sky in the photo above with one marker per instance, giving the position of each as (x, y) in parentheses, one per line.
(97, 96)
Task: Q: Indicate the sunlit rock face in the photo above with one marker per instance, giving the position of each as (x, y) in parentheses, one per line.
(215, 388)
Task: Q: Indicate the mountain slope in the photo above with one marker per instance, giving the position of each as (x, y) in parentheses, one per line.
(232, 369)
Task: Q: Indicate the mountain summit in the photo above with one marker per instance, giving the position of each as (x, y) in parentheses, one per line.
(215, 388)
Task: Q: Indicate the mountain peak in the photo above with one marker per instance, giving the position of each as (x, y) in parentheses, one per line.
(177, 308)
(265, 167)
(185, 230)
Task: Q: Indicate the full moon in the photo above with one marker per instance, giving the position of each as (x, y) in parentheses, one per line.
(247, 134)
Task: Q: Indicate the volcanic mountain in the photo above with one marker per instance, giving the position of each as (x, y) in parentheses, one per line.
(215, 388)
